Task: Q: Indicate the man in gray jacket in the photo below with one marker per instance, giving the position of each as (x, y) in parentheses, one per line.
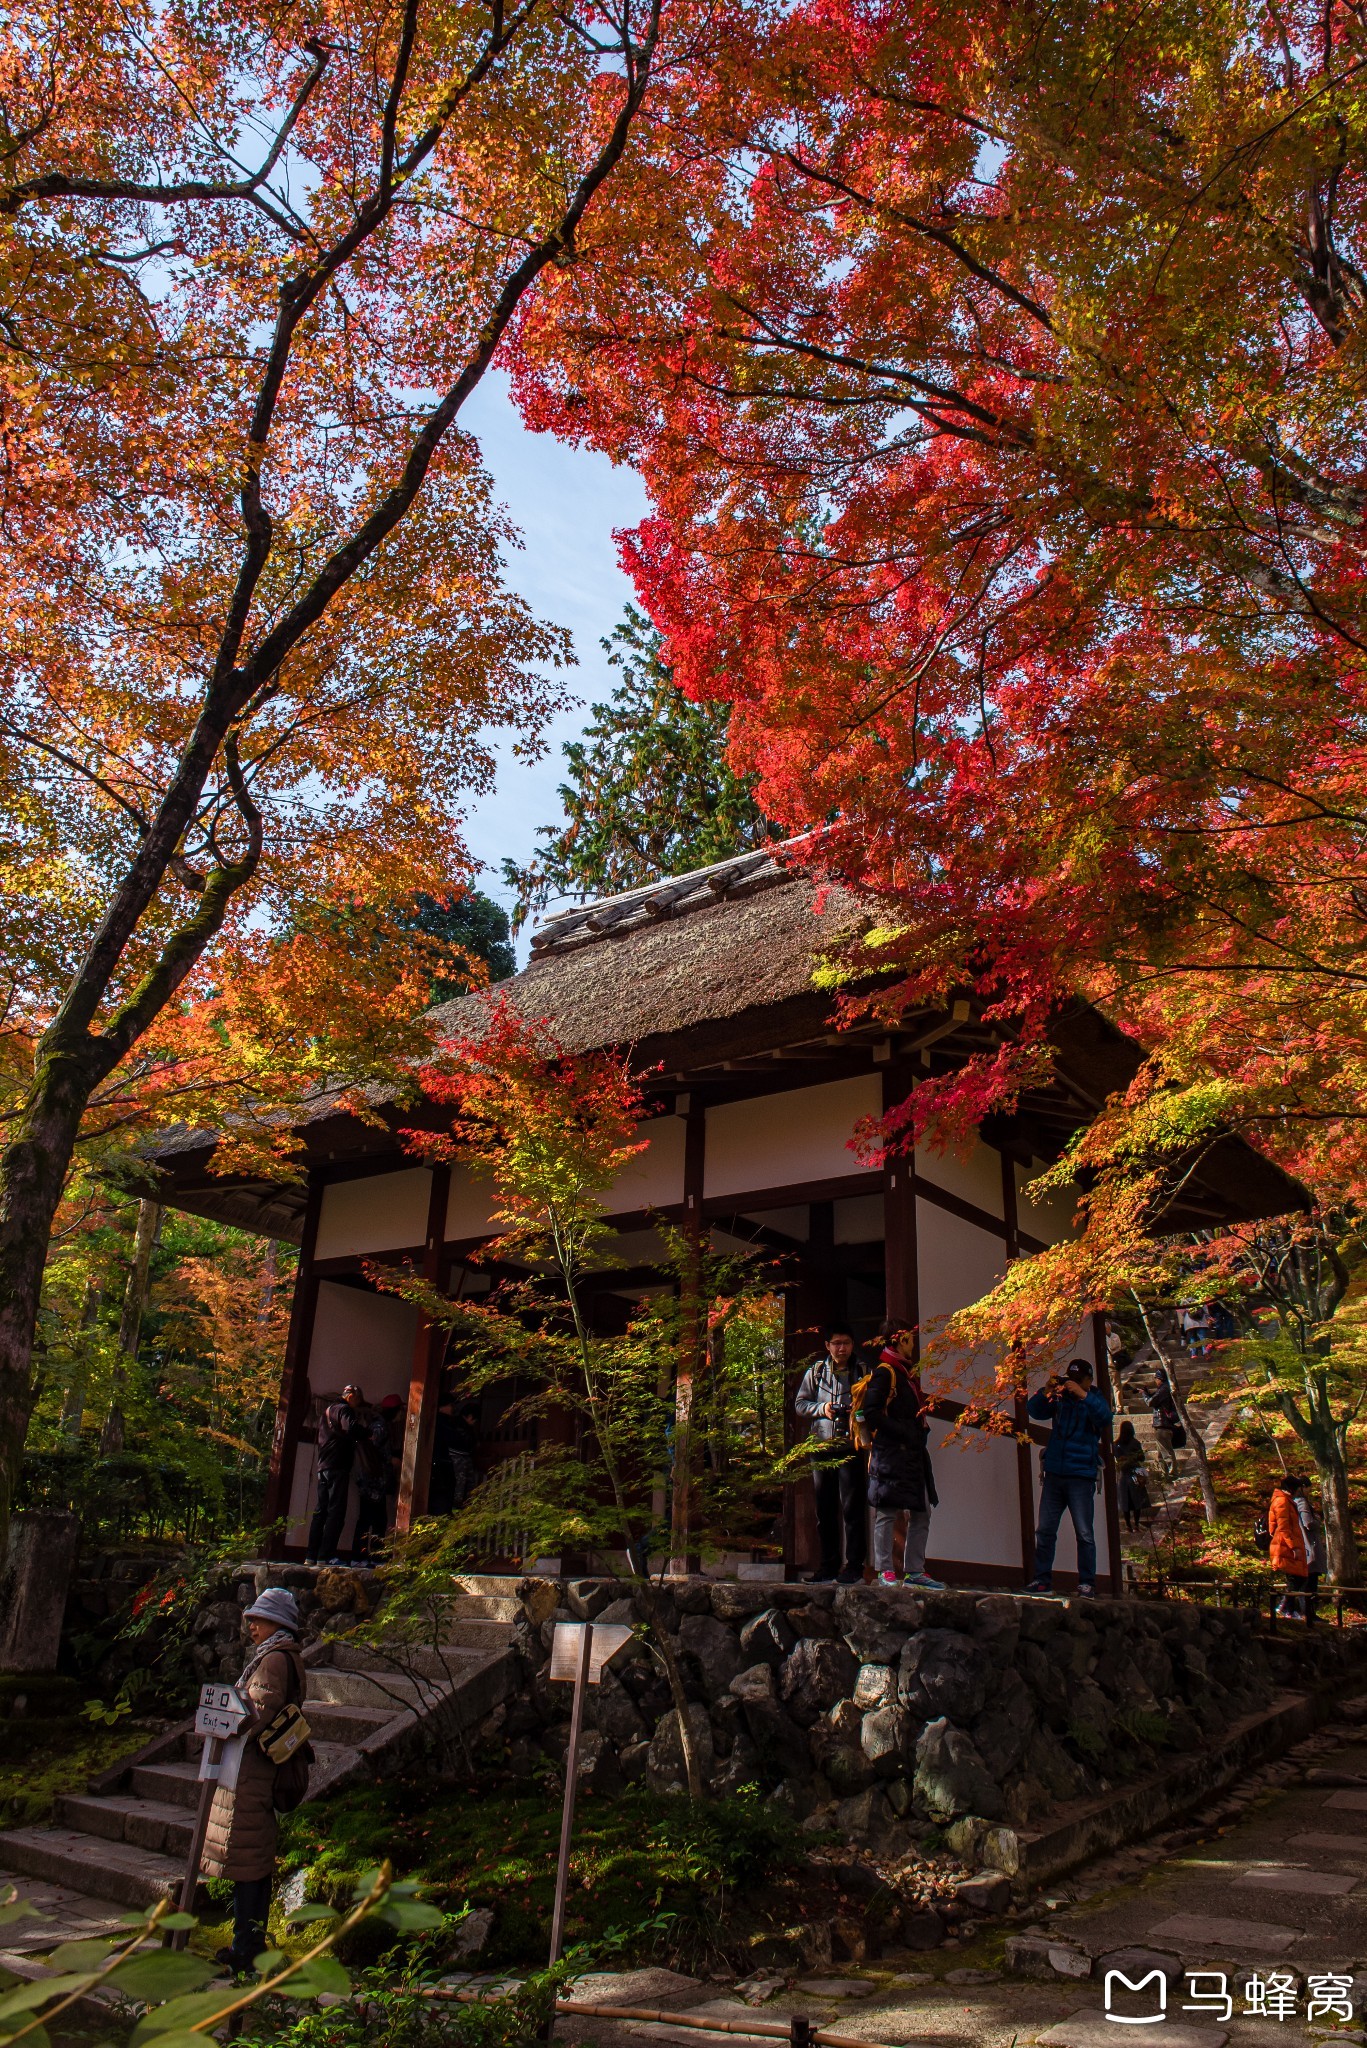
(824, 1398)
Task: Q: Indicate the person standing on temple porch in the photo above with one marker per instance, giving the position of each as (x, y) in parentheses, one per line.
(892, 1417)
(839, 1482)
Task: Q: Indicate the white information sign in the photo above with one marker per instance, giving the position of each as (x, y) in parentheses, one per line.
(567, 1648)
(221, 1712)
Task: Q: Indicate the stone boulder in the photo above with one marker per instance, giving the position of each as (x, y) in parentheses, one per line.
(942, 1673)
(876, 1686)
(766, 1638)
(815, 1675)
(887, 1737)
(757, 1686)
(665, 1764)
(710, 1648)
(951, 1777)
(876, 1621)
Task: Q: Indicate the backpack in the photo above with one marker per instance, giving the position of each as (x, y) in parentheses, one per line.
(859, 1429)
(1262, 1534)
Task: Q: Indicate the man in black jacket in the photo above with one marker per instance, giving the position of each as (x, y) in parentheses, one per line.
(841, 1495)
(337, 1433)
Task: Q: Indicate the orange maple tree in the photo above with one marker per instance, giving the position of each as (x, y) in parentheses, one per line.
(255, 632)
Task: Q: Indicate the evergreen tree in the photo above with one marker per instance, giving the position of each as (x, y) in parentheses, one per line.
(649, 790)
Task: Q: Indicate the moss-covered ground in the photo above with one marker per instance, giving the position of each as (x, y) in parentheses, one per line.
(649, 1876)
(41, 1758)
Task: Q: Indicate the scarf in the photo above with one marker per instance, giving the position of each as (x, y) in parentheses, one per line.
(897, 1364)
(283, 1639)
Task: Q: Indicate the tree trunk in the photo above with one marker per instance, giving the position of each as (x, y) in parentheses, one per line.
(1340, 1537)
(1194, 1437)
(680, 1699)
(73, 1406)
(148, 1230)
(33, 1169)
(1198, 1449)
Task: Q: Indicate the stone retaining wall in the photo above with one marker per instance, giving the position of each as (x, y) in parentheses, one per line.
(888, 1713)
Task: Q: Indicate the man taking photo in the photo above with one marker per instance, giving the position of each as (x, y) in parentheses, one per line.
(841, 1494)
(1072, 1459)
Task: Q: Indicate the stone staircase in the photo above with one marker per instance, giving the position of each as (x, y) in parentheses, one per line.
(125, 1838)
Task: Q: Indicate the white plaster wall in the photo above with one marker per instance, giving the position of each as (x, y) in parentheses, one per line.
(1050, 1220)
(978, 1519)
(378, 1213)
(779, 1141)
(654, 1178)
(956, 1262)
(975, 1177)
(360, 1339)
(468, 1205)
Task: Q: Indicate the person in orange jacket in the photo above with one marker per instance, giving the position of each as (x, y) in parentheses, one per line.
(1286, 1551)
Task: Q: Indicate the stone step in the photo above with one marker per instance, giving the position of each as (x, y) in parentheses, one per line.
(450, 1660)
(349, 1725)
(173, 1784)
(382, 1688)
(128, 1817)
(100, 1869)
(491, 1596)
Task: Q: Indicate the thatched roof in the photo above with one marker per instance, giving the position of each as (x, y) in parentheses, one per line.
(708, 979)
(681, 958)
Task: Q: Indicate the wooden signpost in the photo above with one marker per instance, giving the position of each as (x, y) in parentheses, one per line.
(579, 1650)
(219, 1716)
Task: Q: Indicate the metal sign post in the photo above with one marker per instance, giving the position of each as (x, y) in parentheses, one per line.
(578, 1653)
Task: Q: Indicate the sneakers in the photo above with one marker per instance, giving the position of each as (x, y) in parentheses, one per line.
(1038, 1586)
(888, 1579)
(1085, 1591)
(851, 1576)
(925, 1582)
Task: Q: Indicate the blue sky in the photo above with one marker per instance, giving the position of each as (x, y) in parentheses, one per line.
(567, 503)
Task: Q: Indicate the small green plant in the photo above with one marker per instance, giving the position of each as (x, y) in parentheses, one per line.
(1087, 1738)
(108, 1713)
(1142, 1724)
(172, 1985)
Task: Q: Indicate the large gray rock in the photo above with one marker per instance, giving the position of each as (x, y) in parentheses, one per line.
(766, 1638)
(710, 1647)
(876, 1686)
(617, 1714)
(951, 1777)
(887, 1737)
(758, 1686)
(815, 1676)
(942, 1673)
(1003, 1731)
(665, 1764)
(739, 1769)
(877, 1620)
(732, 1601)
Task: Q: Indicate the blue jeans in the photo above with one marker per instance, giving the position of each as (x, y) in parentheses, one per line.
(1079, 1497)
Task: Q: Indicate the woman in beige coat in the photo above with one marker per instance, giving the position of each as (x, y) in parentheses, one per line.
(240, 1840)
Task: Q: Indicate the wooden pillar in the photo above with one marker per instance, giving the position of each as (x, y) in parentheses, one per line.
(429, 1349)
(1025, 1489)
(1109, 1493)
(294, 1379)
(902, 1288)
(693, 1337)
(808, 1304)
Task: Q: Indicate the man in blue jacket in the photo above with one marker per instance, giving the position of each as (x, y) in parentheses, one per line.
(1072, 1457)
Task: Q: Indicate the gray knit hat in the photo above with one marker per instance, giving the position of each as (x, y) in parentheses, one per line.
(276, 1605)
